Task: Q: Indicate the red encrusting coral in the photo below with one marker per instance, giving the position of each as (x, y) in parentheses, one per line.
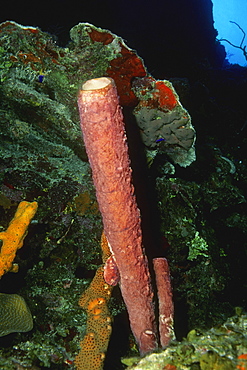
(104, 36)
(123, 68)
(165, 96)
(155, 93)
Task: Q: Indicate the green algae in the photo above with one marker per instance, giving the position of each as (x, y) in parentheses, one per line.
(217, 348)
(197, 247)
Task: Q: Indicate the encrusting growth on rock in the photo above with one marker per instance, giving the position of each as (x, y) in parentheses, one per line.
(94, 301)
(13, 237)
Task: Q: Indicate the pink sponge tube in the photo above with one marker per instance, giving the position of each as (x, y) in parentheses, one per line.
(106, 145)
(166, 308)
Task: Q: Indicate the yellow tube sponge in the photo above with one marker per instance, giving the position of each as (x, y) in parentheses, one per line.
(12, 239)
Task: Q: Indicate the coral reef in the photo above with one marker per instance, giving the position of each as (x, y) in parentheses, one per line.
(222, 347)
(196, 215)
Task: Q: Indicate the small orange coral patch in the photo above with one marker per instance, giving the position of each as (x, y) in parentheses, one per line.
(95, 302)
(242, 362)
(169, 367)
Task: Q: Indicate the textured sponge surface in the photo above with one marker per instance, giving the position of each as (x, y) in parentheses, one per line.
(15, 316)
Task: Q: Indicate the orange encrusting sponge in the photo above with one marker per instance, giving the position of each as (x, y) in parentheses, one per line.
(94, 301)
(13, 237)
